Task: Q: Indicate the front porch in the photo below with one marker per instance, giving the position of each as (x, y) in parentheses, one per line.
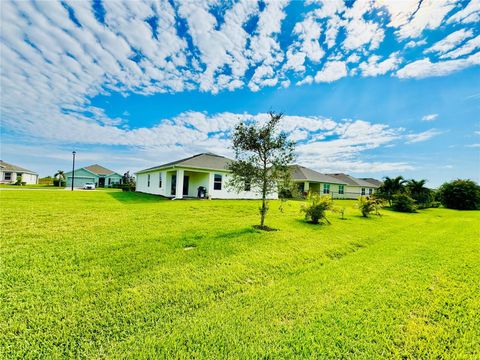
(183, 183)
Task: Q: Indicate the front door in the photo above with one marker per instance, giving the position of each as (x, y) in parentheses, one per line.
(101, 182)
(185, 185)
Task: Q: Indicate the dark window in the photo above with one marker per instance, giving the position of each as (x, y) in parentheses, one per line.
(8, 176)
(326, 188)
(341, 189)
(217, 182)
(363, 191)
(370, 191)
(248, 185)
(301, 187)
(159, 180)
(109, 181)
(148, 180)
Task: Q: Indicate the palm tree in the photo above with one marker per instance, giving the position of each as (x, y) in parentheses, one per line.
(390, 187)
(418, 191)
(60, 175)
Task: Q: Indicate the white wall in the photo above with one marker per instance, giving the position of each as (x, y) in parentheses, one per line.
(30, 178)
(142, 183)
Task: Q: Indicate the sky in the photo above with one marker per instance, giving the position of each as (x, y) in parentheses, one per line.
(371, 88)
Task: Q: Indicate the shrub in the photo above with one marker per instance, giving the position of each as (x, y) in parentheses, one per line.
(19, 181)
(56, 183)
(435, 204)
(403, 203)
(315, 209)
(460, 194)
(369, 205)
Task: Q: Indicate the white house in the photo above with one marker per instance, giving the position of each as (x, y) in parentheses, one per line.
(309, 180)
(9, 174)
(187, 178)
(357, 187)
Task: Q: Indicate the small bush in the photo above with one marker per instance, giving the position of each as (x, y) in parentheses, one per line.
(315, 209)
(369, 205)
(460, 194)
(435, 204)
(403, 203)
(62, 183)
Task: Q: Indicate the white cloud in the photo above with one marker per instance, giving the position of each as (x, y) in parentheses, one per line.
(470, 14)
(413, 44)
(450, 42)
(425, 68)
(423, 136)
(332, 71)
(473, 145)
(467, 48)
(374, 67)
(429, 117)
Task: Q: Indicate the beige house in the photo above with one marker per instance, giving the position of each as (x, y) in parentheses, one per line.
(310, 180)
(10, 172)
(356, 187)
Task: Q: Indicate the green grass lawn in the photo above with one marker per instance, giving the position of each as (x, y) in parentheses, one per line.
(121, 275)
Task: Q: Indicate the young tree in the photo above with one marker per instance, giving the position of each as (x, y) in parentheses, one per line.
(391, 187)
(262, 155)
(60, 175)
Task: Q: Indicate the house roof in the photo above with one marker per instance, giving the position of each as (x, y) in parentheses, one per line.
(99, 170)
(299, 172)
(373, 181)
(352, 181)
(14, 168)
(200, 161)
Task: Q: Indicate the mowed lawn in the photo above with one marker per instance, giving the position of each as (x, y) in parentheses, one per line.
(118, 275)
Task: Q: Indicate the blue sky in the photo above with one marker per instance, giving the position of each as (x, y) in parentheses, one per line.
(372, 88)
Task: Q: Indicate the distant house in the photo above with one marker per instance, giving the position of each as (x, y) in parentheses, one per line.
(9, 174)
(373, 181)
(357, 187)
(204, 173)
(310, 180)
(101, 176)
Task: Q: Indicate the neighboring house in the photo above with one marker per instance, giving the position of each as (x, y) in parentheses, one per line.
(102, 177)
(311, 180)
(9, 174)
(356, 187)
(186, 177)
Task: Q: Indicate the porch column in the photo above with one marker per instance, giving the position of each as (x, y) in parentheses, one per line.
(306, 186)
(179, 186)
(210, 183)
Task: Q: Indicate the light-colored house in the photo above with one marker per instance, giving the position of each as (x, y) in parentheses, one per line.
(310, 180)
(101, 176)
(10, 172)
(356, 187)
(186, 178)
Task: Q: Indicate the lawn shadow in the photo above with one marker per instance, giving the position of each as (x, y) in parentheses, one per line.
(135, 197)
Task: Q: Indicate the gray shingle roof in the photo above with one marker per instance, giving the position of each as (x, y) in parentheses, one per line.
(200, 161)
(99, 170)
(373, 181)
(352, 181)
(302, 173)
(14, 168)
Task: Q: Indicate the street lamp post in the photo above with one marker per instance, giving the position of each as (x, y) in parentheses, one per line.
(73, 169)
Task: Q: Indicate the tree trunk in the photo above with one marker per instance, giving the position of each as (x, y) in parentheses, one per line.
(263, 211)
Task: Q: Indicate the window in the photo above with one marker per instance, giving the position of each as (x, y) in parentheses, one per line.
(363, 191)
(109, 181)
(148, 180)
(341, 189)
(217, 182)
(370, 191)
(248, 185)
(8, 176)
(301, 187)
(159, 180)
(326, 188)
